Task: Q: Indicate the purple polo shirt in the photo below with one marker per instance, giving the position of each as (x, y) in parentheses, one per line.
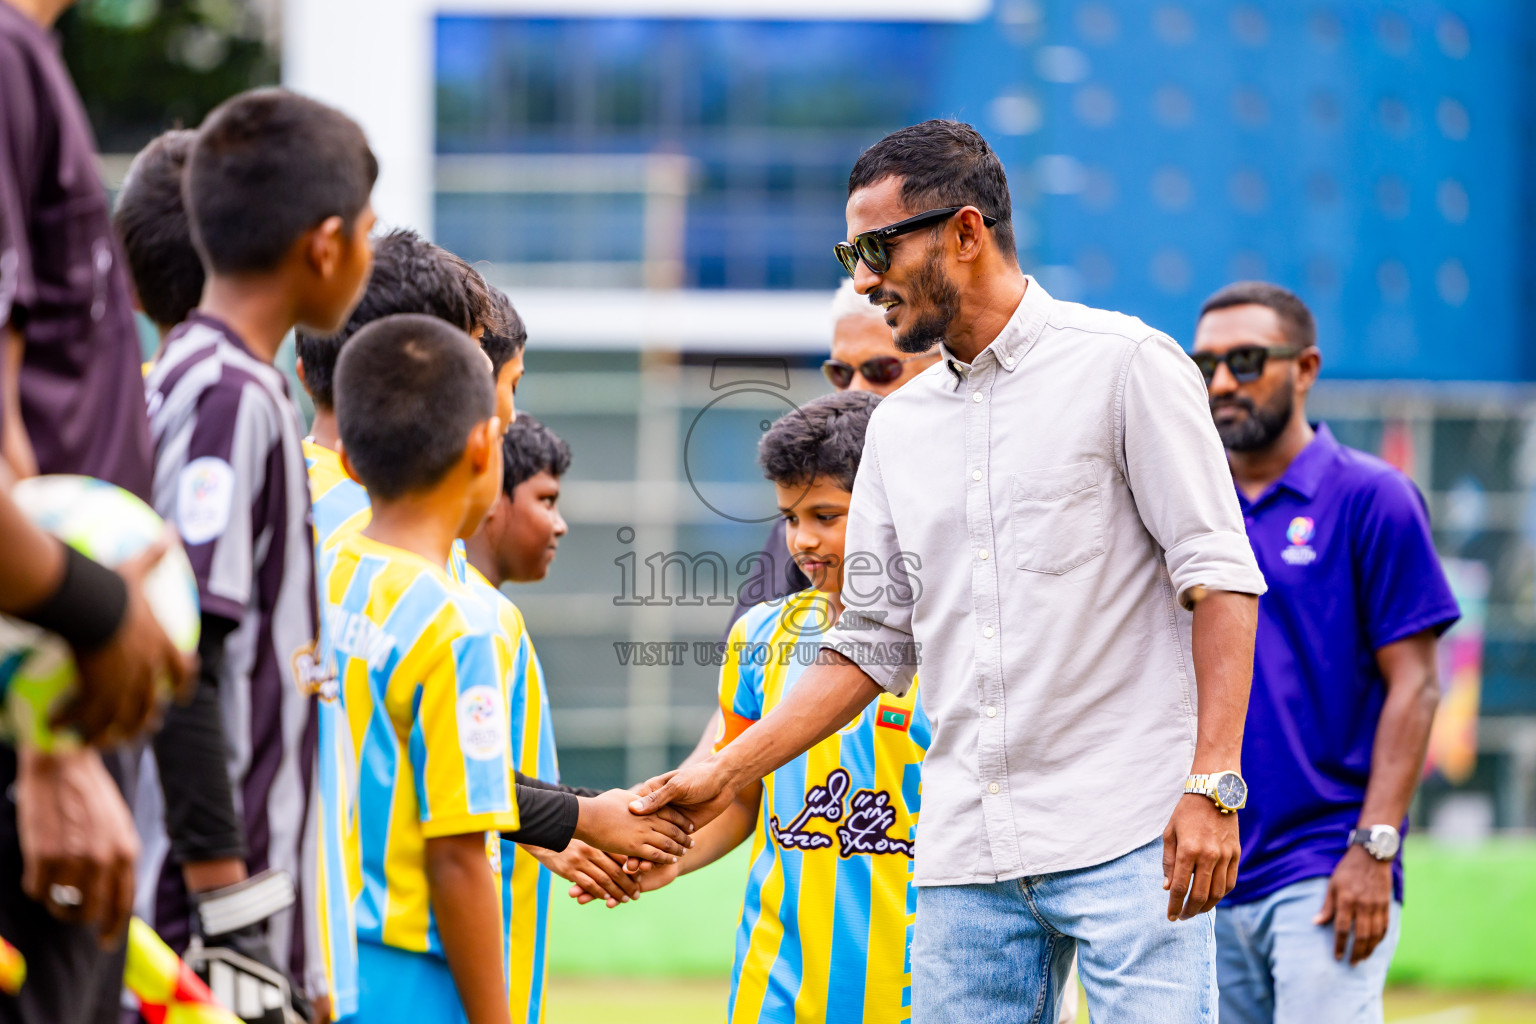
(63, 285)
(1343, 540)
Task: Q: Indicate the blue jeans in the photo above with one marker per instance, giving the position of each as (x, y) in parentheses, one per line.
(999, 953)
(1277, 967)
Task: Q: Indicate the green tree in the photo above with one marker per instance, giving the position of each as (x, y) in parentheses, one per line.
(143, 66)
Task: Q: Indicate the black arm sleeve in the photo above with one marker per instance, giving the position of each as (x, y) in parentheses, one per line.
(546, 816)
(533, 783)
(200, 816)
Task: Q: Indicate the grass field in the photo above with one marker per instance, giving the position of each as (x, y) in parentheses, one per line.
(1467, 955)
(627, 1001)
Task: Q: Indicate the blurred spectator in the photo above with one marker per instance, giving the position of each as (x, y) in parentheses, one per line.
(1344, 684)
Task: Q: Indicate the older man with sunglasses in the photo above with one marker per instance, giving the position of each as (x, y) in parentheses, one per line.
(1344, 681)
(1084, 614)
(864, 356)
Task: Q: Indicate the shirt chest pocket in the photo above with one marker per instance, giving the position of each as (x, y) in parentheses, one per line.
(1058, 518)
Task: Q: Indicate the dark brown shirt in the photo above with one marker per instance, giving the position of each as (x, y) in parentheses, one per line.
(62, 278)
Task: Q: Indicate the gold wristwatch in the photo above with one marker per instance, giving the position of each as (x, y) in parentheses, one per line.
(1226, 790)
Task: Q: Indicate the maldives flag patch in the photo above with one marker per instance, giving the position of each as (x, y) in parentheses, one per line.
(893, 718)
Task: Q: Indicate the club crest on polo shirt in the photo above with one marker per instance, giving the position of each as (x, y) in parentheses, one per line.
(1300, 534)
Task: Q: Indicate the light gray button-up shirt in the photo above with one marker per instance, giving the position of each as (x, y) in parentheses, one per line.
(1048, 509)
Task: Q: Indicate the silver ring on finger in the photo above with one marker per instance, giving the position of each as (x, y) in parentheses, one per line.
(61, 895)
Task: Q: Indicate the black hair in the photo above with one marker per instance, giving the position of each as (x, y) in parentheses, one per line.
(941, 163)
(267, 166)
(151, 223)
(506, 341)
(410, 275)
(1295, 318)
(824, 437)
(531, 448)
(409, 389)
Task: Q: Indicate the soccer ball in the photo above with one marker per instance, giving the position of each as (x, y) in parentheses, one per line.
(106, 523)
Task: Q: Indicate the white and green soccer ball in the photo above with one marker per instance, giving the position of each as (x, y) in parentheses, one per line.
(105, 523)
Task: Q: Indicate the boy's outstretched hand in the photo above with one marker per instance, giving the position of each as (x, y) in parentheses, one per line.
(593, 874)
(607, 823)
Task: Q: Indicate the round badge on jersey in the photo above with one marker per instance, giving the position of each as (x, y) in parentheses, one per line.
(482, 724)
(205, 493)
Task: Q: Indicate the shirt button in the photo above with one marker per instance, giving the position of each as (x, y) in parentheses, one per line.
(1007, 360)
(975, 474)
(993, 787)
(991, 711)
(975, 396)
(987, 632)
(982, 554)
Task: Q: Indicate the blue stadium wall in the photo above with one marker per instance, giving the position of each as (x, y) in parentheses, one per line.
(1376, 157)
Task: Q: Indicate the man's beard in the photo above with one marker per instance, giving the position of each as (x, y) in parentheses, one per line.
(1263, 424)
(930, 288)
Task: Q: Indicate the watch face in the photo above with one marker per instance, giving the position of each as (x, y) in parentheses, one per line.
(1231, 790)
(1383, 844)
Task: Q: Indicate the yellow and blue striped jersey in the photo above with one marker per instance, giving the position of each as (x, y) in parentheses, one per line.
(340, 505)
(826, 924)
(340, 508)
(525, 883)
(420, 668)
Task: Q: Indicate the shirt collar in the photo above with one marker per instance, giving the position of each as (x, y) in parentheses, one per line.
(1017, 337)
(1304, 476)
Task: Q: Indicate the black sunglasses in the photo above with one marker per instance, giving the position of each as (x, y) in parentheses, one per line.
(869, 246)
(879, 370)
(1246, 362)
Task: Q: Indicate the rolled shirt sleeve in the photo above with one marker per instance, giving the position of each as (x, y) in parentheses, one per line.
(1178, 474)
(875, 630)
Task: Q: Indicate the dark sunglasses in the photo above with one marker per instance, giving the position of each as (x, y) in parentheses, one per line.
(879, 370)
(869, 246)
(1246, 362)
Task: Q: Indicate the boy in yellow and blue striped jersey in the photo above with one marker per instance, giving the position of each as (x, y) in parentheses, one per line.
(826, 923)
(420, 668)
(409, 275)
(550, 815)
(516, 544)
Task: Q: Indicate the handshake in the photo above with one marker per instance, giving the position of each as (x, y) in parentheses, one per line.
(631, 841)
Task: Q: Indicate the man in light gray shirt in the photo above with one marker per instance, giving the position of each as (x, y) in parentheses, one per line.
(1072, 571)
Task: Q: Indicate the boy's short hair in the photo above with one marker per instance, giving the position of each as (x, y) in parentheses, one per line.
(507, 339)
(531, 448)
(151, 223)
(824, 437)
(409, 389)
(410, 275)
(267, 166)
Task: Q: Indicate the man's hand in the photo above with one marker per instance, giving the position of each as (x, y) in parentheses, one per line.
(120, 682)
(1359, 899)
(593, 874)
(78, 846)
(1200, 851)
(606, 822)
(701, 791)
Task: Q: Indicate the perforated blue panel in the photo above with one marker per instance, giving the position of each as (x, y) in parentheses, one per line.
(1376, 157)
(1368, 155)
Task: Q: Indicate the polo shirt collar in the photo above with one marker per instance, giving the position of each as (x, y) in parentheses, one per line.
(1304, 476)
(1017, 337)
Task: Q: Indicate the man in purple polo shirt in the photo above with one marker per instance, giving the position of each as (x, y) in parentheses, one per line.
(1344, 683)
